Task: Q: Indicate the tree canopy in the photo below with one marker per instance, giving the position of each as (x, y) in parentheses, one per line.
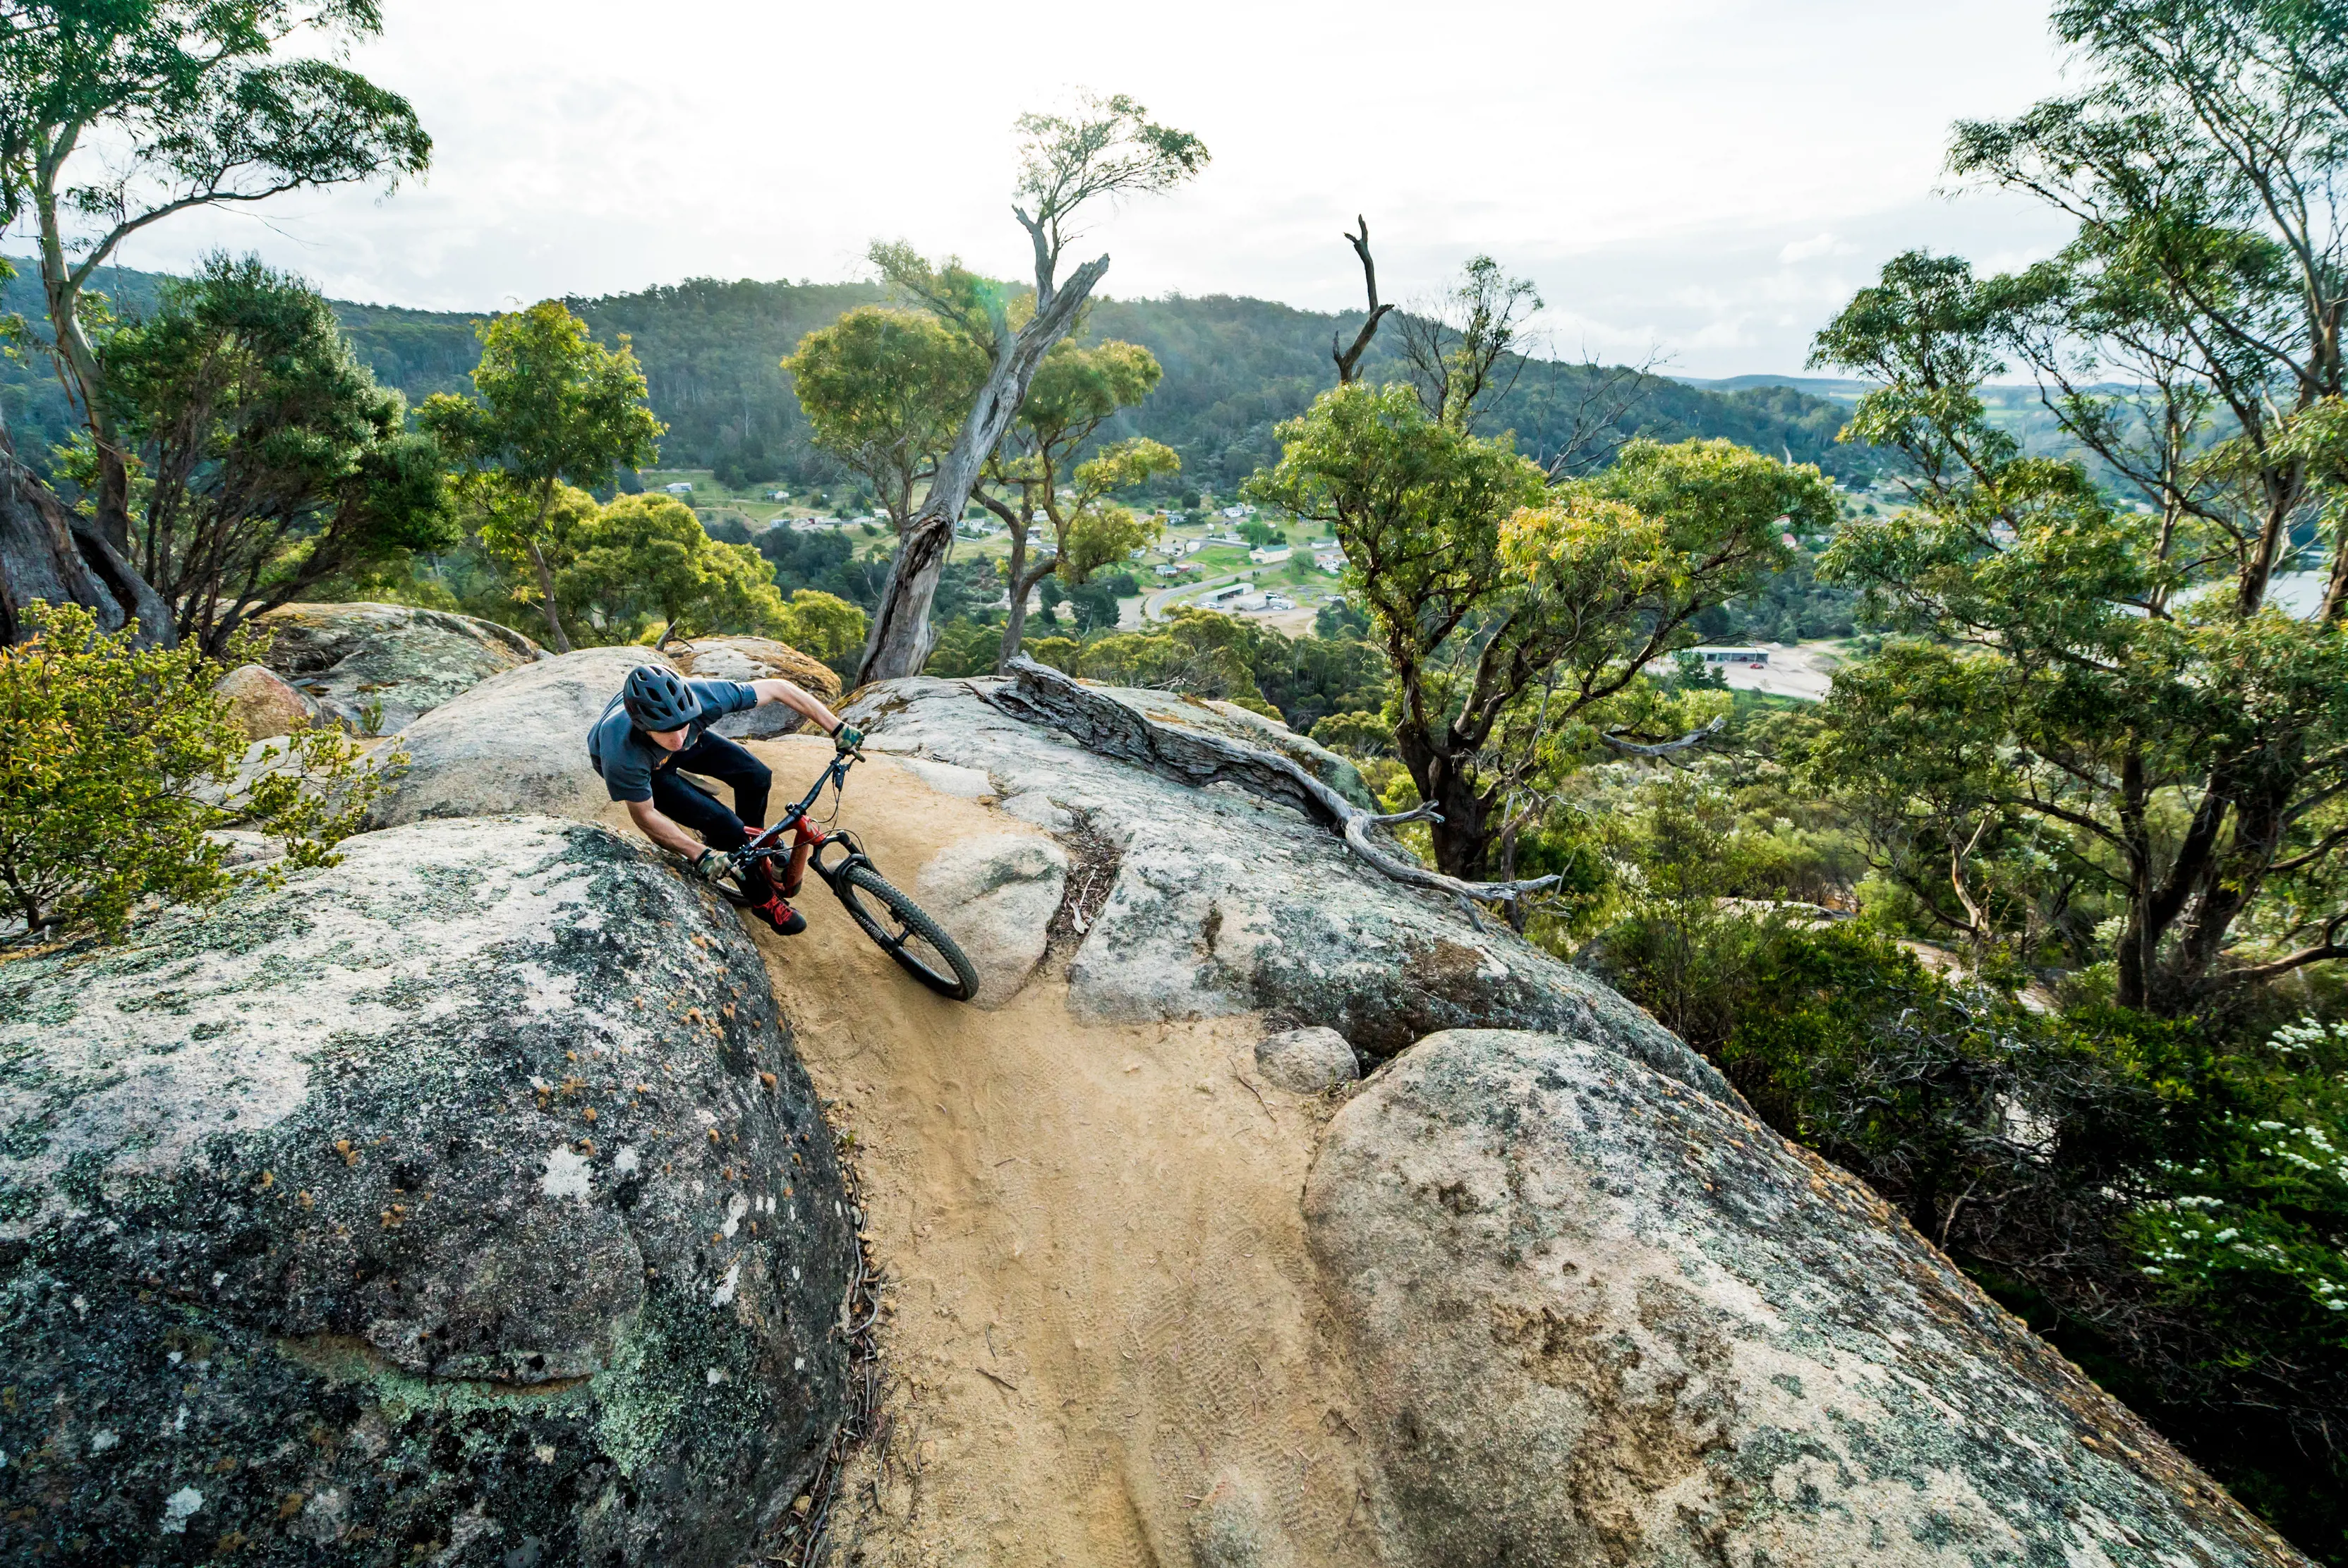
(555, 407)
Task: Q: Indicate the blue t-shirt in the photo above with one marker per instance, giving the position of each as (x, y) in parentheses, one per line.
(628, 761)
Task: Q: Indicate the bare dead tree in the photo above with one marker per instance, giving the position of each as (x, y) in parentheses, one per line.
(1107, 149)
(1349, 360)
(1038, 694)
(1598, 425)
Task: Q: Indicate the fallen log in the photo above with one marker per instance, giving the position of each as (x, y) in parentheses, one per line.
(1039, 694)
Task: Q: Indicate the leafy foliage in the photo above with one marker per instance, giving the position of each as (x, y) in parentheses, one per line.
(555, 407)
(116, 115)
(644, 560)
(1514, 614)
(269, 459)
(886, 391)
(118, 762)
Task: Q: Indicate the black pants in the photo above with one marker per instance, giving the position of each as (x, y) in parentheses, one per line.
(688, 805)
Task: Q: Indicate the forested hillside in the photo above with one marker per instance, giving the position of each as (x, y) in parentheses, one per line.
(1235, 368)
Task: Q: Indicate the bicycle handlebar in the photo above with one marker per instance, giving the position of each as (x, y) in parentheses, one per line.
(832, 776)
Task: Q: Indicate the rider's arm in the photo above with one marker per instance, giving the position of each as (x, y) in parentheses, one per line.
(661, 830)
(799, 700)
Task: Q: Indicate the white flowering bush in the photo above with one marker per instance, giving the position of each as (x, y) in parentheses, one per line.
(2254, 1232)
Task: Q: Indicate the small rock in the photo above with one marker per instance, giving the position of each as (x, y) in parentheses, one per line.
(1236, 1526)
(1307, 1061)
(261, 704)
(994, 895)
(1034, 806)
(241, 846)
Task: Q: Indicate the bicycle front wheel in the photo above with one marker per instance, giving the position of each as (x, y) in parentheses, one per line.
(906, 933)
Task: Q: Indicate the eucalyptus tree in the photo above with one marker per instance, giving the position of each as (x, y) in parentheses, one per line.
(887, 392)
(1035, 478)
(1103, 150)
(1514, 610)
(2110, 702)
(554, 407)
(270, 459)
(116, 115)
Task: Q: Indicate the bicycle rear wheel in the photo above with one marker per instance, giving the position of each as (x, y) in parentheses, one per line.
(906, 932)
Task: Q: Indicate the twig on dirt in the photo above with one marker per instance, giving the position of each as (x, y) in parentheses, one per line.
(1252, 1089)
(993, 1378)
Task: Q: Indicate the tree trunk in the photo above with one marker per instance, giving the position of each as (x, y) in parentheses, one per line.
(79, 358)
(899, 641)
(48, 554)
(1463, 838)
(546, 599)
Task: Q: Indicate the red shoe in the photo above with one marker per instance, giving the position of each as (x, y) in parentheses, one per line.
(786, 920)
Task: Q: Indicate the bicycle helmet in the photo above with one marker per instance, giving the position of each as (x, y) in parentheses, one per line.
(658, 698)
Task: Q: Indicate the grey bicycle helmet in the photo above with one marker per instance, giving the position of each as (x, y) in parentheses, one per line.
(657, 698)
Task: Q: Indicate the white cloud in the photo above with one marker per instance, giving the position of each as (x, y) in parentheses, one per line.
(1613, 153)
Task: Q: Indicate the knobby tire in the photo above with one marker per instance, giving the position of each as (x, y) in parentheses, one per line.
(942, 968)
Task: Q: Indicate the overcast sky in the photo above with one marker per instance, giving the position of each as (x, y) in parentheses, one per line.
(1708, 179)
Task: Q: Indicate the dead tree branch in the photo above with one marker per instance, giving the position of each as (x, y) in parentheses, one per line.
(1039, 694)
(1664, 748)
(1349, 360)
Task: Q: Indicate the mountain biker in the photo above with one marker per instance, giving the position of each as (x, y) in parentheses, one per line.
(657, 730)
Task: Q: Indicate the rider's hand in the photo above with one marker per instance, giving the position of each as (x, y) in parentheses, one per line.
(709, 864)
(847, 737)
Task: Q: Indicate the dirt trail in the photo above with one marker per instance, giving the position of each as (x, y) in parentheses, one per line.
(1106, 1346)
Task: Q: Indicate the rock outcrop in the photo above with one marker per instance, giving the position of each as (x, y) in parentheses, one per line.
(517, 742)
(755, 659)
(1208, 902)
(464, 1203)
(378, 666)
(1598, 1318)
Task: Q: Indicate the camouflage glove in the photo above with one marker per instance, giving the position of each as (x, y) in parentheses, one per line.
(709, 864)
(847, 737)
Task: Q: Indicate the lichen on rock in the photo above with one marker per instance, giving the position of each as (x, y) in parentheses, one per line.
(466, 1199)
(378, 666)
(1598, 1318)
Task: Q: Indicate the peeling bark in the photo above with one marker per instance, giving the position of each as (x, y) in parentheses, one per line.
(1039, 694)
(48, 554)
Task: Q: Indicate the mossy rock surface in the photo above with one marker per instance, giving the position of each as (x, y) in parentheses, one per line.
(465, 1203)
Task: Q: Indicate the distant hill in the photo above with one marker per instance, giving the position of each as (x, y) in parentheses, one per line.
(1235, 368)
(1838, 389)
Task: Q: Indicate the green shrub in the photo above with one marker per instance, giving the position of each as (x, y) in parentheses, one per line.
(117, 763)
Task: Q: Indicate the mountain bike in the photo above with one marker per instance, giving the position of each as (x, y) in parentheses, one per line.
(902, 928)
